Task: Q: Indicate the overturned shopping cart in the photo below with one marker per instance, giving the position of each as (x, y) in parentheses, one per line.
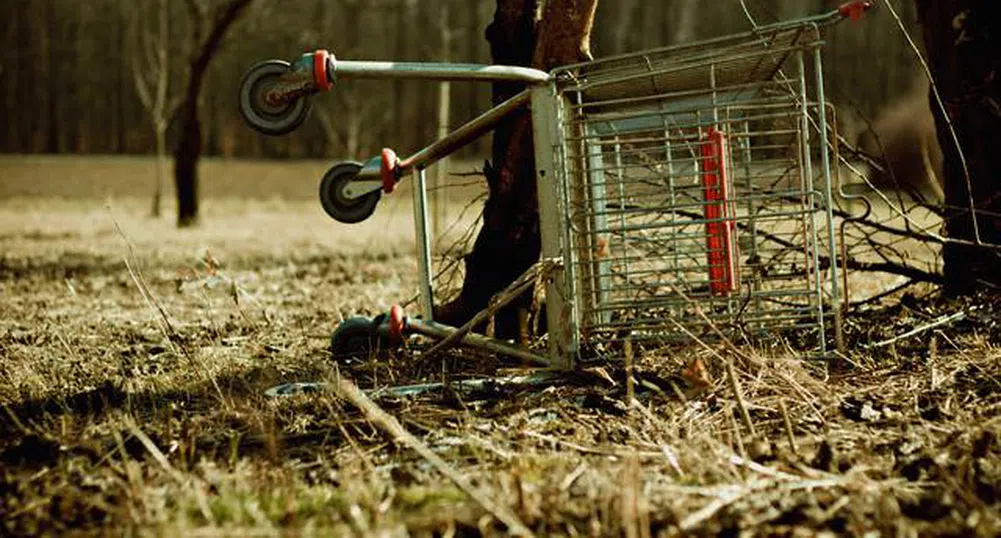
(684, 192)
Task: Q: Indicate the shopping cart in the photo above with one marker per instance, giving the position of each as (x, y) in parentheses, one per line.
(678, 188)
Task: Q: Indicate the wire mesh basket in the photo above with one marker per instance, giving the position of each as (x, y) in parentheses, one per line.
(694, 194)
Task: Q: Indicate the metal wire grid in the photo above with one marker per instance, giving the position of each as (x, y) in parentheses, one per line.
(661, 226)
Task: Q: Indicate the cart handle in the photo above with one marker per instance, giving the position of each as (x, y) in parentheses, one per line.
(455, 72)
(327, 69)
(854, 10)
(317, 72)
(386, 170)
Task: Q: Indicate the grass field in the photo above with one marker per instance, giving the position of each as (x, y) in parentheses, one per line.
(134, 359)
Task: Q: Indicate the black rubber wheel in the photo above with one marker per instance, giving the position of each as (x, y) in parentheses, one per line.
(266, 119)
(335, 201)
(354, 337)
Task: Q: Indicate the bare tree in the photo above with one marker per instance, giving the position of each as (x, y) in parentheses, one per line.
(962, 38)
(151, 75)
(49, 42)
(345, 134)
(204, 46)
(359, 113)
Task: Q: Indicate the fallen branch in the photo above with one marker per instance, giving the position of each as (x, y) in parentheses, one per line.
(170, 335)
(514, 290)
(851, 263)
(387, 423)
(882, 295)
(912, 273)
(197, 486)
(942, 320)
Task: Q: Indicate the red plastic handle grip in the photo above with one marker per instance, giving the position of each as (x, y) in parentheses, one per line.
(719, 229)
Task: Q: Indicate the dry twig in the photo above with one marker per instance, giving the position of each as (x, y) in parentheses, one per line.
(510, 293)
(386, 422)
(788, 426)
(161, 459)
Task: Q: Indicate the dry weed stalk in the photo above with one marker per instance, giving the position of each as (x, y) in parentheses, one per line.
(788, 425)
(630, 389)
(160, 313)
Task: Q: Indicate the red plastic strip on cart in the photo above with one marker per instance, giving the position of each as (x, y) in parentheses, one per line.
(719, 227)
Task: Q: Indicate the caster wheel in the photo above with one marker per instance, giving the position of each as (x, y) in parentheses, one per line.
(354, 337)
(263, 117)
(361, 337)
(335, 200)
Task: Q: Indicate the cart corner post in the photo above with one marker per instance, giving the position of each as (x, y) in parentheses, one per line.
(560, 309)
(423, 242)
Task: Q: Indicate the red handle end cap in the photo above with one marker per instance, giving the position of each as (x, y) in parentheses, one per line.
(397, 322)
(855, 10)
(389, 170)
(320, 75)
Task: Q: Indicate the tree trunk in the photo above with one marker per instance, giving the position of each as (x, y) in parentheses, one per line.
(186, 155)
(161, 165)
(48, 63)
(189, 144)
(12, 73)
(963, 38)
(509, 243)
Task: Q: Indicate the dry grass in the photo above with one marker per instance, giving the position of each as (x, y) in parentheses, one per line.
(116, 416)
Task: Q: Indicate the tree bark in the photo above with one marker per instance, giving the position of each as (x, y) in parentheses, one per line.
(189, 144)
(963, 38)
(509, 242)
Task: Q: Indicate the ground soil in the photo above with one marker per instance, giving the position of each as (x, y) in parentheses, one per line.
(134, 359)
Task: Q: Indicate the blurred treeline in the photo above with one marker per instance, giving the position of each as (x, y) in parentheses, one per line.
(68, 85)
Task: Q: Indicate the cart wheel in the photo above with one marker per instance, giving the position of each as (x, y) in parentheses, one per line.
(354, 337)
(336, 202)
(265, 118)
